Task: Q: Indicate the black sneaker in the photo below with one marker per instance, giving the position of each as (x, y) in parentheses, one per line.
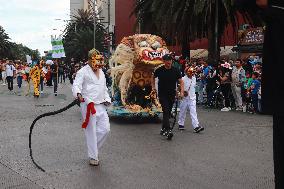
(162, 132)
(198, 129)
(169, 135)
(181, 127)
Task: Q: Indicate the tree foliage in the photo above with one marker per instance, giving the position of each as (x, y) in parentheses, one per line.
(187, 20)
(78, 36)
(4, 43)
(14, 51)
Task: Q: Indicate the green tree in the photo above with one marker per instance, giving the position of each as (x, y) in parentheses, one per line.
(14, 51)
(4, 43)
(167, 18)
(78, 36)
(19, 52)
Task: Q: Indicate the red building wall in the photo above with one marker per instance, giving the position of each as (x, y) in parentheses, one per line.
(124, 24)
(228, 39)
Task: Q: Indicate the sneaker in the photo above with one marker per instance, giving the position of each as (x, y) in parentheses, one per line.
(239, 109)
(94, 162)
(225, 109)
(181, 127)
(244, 108)
(169, 134)
(198, 129)
(162, 132)
(253, 112)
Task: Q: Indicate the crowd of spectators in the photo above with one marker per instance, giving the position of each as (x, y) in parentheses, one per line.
(230, 85)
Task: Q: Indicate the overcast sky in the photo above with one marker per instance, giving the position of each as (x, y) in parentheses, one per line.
(31, 22)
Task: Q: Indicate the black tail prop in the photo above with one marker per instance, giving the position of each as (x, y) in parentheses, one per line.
(75, 102)
(175, 115)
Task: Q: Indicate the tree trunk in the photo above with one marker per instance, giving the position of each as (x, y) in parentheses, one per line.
(185, 49)
(210, 45)
(214, 38)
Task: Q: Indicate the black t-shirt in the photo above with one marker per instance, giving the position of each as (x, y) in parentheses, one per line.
(168, 79)
(61, 69)
(54, 70)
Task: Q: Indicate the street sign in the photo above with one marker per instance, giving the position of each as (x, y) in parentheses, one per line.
(252, 36)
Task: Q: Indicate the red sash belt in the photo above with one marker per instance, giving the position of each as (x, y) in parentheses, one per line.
(90, 110)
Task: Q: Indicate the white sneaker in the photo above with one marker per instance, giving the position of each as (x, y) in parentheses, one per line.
(94, 162)
(225, 109)
(239, 109)
(244, 108)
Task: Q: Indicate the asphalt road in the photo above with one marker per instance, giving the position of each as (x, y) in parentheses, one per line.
(234, 152)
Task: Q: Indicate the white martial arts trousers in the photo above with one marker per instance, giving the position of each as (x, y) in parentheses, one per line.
(97, 129)
(188, 104)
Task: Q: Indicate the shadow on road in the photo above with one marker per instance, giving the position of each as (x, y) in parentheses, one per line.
(136, 120)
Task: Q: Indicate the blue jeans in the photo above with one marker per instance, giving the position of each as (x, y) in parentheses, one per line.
(255, 102)
(41, 83)
(55, 82)
(201, 86)
(19, 81)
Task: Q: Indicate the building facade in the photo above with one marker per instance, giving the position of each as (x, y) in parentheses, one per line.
(104, 9)
(106, 13)
(77, 4)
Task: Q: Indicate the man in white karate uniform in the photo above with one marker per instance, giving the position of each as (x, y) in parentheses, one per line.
(189, 101)
(90, 88)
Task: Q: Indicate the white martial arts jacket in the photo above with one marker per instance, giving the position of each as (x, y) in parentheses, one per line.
(189, 86)
(93, 89)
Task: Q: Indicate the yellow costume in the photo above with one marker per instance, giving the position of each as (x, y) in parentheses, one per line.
(35, 77)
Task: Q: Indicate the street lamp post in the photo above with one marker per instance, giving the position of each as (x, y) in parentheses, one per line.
(94, 6)
(216, 33)
(108, 47)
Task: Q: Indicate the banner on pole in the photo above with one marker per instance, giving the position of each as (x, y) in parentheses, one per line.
(57, 47)
(29, 59)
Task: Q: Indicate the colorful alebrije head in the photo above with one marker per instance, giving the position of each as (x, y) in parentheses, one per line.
(96, 59)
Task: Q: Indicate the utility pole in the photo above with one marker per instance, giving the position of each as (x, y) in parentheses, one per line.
(216, 31)
(95, 24)
(108, 46)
